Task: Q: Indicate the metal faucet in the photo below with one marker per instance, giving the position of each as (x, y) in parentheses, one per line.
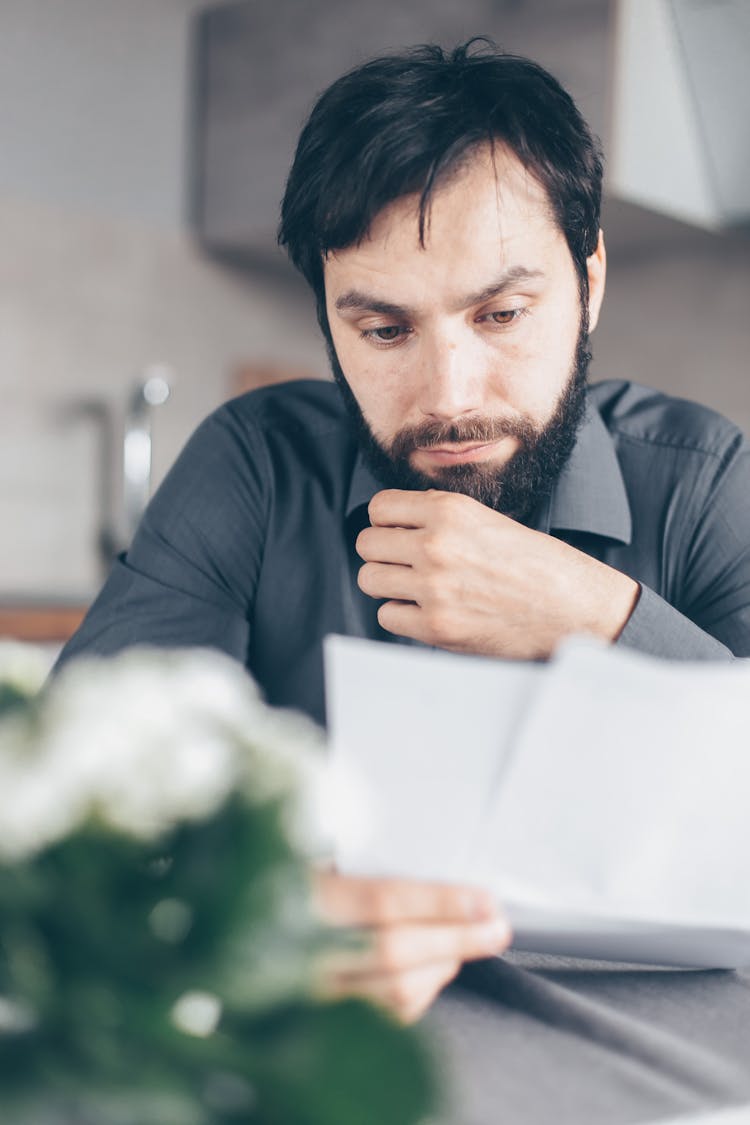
(152, 391)
(119, 514)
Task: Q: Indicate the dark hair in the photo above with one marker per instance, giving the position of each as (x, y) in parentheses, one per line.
(400, 124)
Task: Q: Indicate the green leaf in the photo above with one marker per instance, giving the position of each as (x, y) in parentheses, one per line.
(335, 1064)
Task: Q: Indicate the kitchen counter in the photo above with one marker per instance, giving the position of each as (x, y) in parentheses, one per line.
(40, 620)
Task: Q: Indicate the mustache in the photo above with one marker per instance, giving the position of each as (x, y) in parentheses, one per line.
(478, 429)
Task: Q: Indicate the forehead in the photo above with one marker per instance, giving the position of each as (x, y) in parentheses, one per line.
(489, 212)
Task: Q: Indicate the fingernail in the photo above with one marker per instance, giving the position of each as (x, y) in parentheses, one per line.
(482, 904)
(495, 934)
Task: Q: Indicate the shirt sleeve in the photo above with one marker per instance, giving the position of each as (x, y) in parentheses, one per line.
(657, 628)
(710, 619)
(190, 575)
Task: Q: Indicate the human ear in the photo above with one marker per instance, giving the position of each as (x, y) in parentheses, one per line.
(596, 268)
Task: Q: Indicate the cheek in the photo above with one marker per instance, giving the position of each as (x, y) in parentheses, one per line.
(377, 381)
(533, 373)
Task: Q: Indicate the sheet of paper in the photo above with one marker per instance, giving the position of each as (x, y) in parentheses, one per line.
(424, 734)
(603, 936)
(627, 800)
(605, 796)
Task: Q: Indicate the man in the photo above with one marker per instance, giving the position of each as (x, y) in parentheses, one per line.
(459, 487)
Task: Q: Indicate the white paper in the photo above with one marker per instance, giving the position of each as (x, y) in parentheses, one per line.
(605, 796)
(423, 734)
(628, 798)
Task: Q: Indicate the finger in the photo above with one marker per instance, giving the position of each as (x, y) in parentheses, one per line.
(387, 580)
(395, 507)
(398, 948)
(351, 900)
(387, 545)
(404, 619)
(408, 995)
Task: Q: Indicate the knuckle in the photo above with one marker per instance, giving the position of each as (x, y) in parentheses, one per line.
(485, 939)
(435, 495)
(385, 615)
(388, 952)
(433, 590)
(433, 547)
(377, 506)
(380, 903)
(364, 578)
(401, 994)
(416, 1011)
(433, 620)
(447, 501)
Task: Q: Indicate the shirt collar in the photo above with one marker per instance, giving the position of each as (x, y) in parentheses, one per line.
(362, 486)
(589, 495)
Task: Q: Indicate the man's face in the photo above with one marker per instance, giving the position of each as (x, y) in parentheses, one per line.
(465, 358)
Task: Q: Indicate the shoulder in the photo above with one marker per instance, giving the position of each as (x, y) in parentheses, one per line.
(640, 416)
(292, 435)
(310, 405)
(247, 441)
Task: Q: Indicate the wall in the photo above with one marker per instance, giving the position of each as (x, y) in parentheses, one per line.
(98, 277)
(676, 311)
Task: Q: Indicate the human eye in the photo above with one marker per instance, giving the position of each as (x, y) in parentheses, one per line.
(385, 335)
(503, 318)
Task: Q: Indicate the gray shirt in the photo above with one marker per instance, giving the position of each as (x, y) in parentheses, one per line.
(248, 546)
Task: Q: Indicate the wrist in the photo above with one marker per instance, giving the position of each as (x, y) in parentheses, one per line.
(616, 597)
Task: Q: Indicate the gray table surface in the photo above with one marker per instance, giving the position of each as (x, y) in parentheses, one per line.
(539, 1040)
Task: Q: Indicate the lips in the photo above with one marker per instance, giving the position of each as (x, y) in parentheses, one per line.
(458, 453)
(457, 449)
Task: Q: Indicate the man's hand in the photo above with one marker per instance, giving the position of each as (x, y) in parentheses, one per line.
(415, 937)
(460, 576)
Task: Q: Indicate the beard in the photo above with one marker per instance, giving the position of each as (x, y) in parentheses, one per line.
(514, 488)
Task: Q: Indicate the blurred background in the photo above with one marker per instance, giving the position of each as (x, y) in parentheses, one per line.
(143, 150)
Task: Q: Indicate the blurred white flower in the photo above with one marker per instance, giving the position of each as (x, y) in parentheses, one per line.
(171, 920)
(146, 739)
(15, 1017)
(197, 1013)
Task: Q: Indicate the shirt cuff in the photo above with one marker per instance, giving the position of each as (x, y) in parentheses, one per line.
(657, 628)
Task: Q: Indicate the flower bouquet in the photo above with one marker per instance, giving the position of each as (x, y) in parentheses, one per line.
(158, 947)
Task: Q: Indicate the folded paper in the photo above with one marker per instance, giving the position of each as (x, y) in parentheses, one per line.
(604, 796)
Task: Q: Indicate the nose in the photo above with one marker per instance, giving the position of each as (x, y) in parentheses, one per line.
(451, 380)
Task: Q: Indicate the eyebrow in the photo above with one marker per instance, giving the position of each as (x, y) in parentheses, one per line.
(358, 301)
